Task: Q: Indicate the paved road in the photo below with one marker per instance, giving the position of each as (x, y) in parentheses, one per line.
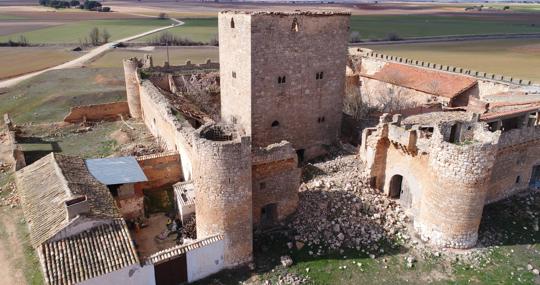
(80, 61)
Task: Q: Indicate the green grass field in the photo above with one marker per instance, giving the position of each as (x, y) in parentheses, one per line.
(202, 30)
(49, 96)
(379, 27)
(177, 56)
(518, 58)
(73, 33)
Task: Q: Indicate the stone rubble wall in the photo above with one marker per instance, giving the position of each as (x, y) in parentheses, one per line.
(17, 155)
(276, 179)
(131, 73)
(98, 112)
(222, 179)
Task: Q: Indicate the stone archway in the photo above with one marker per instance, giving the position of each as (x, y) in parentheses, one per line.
(399, 189)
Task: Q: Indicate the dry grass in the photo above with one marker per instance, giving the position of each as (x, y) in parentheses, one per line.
(518, 58)
(22, 60)
(177, 55)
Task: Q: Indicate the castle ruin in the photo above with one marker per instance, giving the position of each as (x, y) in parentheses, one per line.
(236, 134)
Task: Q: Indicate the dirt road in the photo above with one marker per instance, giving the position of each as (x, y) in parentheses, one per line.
(80, 61)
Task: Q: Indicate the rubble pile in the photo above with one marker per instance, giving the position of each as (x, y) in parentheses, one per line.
(189, 229)
(338, 209)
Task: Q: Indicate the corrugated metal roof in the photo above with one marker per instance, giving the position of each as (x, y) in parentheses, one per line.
(116, 170)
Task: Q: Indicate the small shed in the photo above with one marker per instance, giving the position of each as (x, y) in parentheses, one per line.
(120, 175)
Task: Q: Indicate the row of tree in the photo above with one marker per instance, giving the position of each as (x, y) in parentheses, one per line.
(90, 5)
(168, 39)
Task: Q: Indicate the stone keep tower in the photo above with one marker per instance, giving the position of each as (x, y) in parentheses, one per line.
(283, 75)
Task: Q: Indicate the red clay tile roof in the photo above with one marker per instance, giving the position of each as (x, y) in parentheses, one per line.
(502, 111)
(425, 80)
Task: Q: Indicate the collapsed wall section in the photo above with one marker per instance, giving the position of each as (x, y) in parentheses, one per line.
(276, 180)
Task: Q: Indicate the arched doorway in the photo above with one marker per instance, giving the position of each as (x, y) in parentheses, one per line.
(395, 186)
(400, 190)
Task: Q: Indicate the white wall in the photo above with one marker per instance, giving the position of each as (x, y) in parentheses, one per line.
(131, 275)
(204, 261)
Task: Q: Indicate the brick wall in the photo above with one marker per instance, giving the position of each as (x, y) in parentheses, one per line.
(98, 112)
(160, 169)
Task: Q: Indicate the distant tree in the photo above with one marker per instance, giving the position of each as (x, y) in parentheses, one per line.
(506, 8)
(91, 5)
(354, 37)
(393, 37)
(94, 36)
(214, 41)
(23, 41)
(74, 3)
(162, 16)
(105, 36)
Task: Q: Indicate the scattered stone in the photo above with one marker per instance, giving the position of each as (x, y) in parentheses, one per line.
(286, 261)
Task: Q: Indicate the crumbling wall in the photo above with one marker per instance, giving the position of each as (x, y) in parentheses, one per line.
(173, 132)
(131, 73)
(276, 180)
(17, 155)
(223, 191)
(518, 153)
(161, 170)
(448, 181)
(98, 112)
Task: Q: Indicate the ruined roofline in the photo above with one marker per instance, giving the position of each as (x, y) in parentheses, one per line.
(287, 13)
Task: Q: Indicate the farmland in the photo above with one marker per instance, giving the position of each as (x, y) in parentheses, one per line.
(75, 32)
(196, 29)
(378, 27)
(177, 56)
(518, 58)
(22, 60)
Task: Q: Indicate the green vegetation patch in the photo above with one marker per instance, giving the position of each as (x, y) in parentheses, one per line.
(49, 96)
(379, 27)
(77, 32)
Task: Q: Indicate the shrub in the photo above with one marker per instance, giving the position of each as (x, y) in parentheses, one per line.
(74, 3)
(94, 36)
(354, 37)
(393, 37)
(105, 9)
(163, 16)
(167, 38)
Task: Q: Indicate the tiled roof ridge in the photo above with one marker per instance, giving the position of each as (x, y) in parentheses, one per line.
(174, 251)
(156, 155)
(61, 175)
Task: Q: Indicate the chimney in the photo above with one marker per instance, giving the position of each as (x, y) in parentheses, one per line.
(76, 206)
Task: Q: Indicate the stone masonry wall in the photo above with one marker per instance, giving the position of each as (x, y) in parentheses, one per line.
(98, 112)
(518, 153)
(222, 179)
(273, 87)
(131, 73)
(276, 179)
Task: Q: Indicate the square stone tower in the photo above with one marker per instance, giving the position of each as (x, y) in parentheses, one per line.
(283, 76)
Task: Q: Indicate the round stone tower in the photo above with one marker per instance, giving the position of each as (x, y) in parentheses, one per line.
(131, 67)
(222, 177)
(451, 209)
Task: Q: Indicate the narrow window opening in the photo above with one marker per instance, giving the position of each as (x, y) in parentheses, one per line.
(518, 179)
(294, 27)
(275, 124)
(232, 23)
(321, 75)
(281, 79)
(233, 74)
(317, 76)
(262, 185)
